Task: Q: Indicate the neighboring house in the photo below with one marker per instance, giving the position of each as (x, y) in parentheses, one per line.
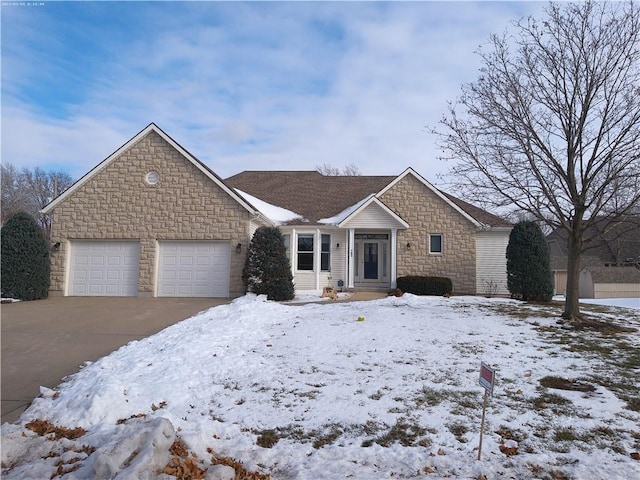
(609, 282)
(152, 220)
(617, 245)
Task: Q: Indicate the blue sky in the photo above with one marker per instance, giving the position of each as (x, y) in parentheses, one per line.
(242, 86)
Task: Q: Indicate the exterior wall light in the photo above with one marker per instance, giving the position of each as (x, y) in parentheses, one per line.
(239, 248)
(56, 247)
(408, 246)
(337, 245)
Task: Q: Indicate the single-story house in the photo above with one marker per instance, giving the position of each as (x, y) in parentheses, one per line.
(609, 282)
(152, 220)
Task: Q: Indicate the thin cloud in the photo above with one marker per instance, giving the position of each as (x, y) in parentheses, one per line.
(242, 86)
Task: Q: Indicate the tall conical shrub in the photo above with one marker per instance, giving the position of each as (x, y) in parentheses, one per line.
(528, 264)
(267, 269)
(25, 266)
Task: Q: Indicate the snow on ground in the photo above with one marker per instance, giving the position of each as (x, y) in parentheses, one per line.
(607, 302)
(364, 390)
(614, 302)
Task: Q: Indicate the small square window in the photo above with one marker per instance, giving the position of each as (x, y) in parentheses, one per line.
(435, 243)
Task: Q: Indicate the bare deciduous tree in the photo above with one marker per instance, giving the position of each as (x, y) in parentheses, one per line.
(350, 170)
(13, 196)
(30, 190)
(552, 125)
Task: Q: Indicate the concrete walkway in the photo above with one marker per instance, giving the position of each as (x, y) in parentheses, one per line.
(43, 341)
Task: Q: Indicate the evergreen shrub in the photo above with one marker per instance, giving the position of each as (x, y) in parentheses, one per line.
(423, 285)
(25, 266)
(529, 275)
(267, 270)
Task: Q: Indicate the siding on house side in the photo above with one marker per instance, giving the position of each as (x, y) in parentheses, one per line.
(616, 290)
(373, 217)
(491, 262)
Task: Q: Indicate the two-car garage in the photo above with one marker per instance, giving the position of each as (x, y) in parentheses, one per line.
(183, 268)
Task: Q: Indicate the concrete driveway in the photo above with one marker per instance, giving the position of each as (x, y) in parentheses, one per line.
(43, 341)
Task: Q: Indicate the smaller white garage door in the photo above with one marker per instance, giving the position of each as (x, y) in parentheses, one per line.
(104, 268)
(193, 269)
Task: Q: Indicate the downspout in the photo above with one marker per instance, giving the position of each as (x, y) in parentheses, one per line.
(317, 256)
(394, 254)
(293, 252)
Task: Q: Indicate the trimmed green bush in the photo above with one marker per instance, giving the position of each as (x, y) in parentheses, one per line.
(25, 263)
(528, 264)
(267, 270)
(421, 285)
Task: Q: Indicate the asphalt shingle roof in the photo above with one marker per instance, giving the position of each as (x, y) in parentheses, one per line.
(614, 274)
(315, 196)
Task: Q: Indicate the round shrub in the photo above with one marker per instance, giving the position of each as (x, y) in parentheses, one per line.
(25, 263)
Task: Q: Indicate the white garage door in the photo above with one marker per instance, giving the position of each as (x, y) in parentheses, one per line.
(104, 268)
(194, 269)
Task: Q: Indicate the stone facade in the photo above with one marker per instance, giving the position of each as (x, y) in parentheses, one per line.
(427, 213)
(117, 203)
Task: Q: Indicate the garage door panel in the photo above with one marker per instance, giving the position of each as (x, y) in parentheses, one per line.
(115, 275)
(104, 268)
(185, 275)
(115, 261)
(194, 269)
(96, 274)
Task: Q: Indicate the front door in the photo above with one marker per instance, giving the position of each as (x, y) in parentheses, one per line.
(371, 260)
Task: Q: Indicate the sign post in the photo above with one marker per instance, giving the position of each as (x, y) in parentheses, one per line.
(487, 380)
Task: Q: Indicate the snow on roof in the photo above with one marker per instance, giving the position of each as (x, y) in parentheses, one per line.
(272, 212)
(336, 219)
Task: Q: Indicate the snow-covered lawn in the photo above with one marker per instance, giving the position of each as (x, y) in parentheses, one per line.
(311, 392)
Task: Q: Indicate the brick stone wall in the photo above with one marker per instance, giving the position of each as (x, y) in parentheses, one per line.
(428, 214)
(117, 203)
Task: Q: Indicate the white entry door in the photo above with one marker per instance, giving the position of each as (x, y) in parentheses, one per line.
(193, 269)
(101, 268)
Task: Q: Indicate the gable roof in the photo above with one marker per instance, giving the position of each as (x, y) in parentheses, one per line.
(152, 127)
(319, 197)
(349, 215)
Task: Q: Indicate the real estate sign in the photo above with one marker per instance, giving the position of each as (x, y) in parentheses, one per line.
(487, 377)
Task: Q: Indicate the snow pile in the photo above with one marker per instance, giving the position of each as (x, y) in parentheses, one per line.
(379, 389)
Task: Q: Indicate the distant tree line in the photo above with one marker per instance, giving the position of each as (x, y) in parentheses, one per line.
(29, 190)
(328, 170)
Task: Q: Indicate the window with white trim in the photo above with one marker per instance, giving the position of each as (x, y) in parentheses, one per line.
(287, 245)
(305, 251)
(325, 253)
(435, 243)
